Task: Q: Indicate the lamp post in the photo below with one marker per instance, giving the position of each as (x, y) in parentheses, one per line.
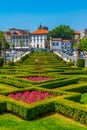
(3, 49)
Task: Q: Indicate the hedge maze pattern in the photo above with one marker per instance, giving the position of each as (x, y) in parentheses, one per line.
(66, 82)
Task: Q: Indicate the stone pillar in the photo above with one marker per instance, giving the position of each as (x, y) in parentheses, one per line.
(50, 43)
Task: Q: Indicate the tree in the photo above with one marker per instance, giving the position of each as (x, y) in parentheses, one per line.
(13, 45)
(84, 43)
(75, 46)
(62, 31)
(21, 43)
(3, 46)
(7, 43)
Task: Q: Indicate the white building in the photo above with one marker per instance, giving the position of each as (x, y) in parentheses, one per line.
(55, 44)
(38, 38)
(59, 44)
(66, 45)
(83, 33)
(15, 36)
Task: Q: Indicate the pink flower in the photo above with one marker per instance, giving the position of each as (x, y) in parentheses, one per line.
(30, 97)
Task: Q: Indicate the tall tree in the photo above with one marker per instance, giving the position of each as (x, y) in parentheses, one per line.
(21, 43)
(84, 43)
(62, 31)
(6, 43)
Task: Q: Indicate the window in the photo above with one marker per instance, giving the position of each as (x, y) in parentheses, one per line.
(57, 44)
(41, 39)
(53, 43)
(13, 37)
(34, 40)
(13, 41)
(26, 41)
(37, 40)
(26, 37)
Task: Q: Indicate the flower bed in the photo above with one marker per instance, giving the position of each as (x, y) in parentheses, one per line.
(37, 79)
(30, 97)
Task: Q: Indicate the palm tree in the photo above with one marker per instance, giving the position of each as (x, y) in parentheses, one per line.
(3, 49)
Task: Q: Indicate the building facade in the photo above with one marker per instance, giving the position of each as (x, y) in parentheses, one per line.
(77, 35)
(18, 37)
(60, 45)
(39, 37)
(83, 33)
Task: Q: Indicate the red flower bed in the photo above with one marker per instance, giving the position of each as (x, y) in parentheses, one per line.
(30, 97)
(37, 79)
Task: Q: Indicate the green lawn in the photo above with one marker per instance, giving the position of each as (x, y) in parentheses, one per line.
(53, 122)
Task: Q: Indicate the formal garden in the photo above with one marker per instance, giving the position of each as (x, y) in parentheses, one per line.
(48, 94)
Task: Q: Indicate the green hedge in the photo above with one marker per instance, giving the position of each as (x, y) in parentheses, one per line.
(77, 88)
(53, 92)
(59, 83)
(81, 63)
(30, 112)
(14, 83)
(2, 106)
(74, 97)
(1, 62)
(72, 110)
(23, 58)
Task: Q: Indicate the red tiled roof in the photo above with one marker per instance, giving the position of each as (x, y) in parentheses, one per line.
(42, 31)
(77, 32)
(56, 39)
(65, 40)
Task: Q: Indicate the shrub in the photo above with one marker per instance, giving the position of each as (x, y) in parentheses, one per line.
(81, 63)
(72, 110)
(23, 58)
(1, 62)
(30, 112)
(59, 83)
(70, 63)
(11, 63)
(2, 106)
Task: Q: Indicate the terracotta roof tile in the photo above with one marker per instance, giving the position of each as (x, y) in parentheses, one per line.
(42, 31)
(65, 40)
(56, 39)
(77, 32)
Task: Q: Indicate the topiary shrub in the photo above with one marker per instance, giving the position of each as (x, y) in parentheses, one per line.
(24, 57)
(81, 63)
(11, 63)
(1, 62)
(71, 63)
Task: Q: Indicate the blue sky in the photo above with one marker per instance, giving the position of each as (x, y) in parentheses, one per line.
(28, 14)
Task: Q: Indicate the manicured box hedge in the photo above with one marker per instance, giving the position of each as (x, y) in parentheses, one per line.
(72, 110)
(14, 83)
(31, 111)
(81, 63)
(77, 88)
(59, 83)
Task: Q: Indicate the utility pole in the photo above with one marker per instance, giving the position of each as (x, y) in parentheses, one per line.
(3, 49)
(79, 48)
